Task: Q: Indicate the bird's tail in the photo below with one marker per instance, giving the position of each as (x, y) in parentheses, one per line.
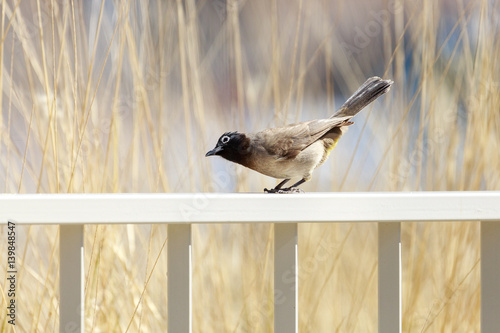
(367, 93)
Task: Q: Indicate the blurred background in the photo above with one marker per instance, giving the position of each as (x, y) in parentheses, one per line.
(128, 96)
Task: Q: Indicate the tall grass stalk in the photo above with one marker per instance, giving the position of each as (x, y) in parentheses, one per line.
(128, 96)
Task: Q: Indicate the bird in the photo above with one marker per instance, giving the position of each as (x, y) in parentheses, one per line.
(296, 150)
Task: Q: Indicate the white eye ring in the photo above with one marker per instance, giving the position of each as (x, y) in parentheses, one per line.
(225, 139)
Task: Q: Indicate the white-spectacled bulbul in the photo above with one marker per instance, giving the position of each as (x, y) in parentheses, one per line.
(296, 150)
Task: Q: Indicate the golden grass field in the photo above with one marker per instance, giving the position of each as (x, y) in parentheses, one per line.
(128, 96)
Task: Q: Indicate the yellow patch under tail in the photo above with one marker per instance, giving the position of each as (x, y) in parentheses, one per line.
(329, 145)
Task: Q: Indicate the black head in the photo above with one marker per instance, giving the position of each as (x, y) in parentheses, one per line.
(232, 146)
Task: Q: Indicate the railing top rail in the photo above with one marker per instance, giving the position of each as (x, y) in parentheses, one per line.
(249, 207)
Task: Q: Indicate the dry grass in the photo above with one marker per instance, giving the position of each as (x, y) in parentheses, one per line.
(128, 97)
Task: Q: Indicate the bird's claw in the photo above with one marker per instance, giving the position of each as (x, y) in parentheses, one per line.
(288, 190)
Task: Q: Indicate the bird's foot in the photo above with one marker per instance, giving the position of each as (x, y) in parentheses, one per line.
(292, 190)
(288, 190)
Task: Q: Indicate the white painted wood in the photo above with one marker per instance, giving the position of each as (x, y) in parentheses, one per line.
(179, 278)
(74, 210)
(285, 278)
(389, 283)
(490, 276)
(71, 277)
(243, 208)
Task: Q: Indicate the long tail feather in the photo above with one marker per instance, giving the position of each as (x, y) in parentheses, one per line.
(367, 93)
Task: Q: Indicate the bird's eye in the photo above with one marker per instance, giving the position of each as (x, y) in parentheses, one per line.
(225, 139)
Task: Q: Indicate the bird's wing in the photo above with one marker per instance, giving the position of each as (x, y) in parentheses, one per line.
(289, 141)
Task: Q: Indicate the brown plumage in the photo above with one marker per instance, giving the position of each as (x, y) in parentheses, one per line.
(296, 150)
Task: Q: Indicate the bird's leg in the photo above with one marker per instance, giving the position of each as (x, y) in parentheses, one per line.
(280, 185)
(277, 188)
(293, 188)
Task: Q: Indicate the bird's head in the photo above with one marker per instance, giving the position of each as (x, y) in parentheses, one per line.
(233, 146)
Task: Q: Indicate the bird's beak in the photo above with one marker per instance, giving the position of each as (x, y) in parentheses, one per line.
(214, 151)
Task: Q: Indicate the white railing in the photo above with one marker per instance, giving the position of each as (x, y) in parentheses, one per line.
(180, 211)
